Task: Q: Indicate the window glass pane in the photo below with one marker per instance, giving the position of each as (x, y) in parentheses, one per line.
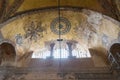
(77, 52)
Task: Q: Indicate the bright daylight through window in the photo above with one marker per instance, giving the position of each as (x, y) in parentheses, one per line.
(78, 52)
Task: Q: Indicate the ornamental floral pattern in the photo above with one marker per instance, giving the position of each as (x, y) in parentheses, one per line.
(34, 31)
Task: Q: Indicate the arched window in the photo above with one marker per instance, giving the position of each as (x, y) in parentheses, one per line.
(78, 52)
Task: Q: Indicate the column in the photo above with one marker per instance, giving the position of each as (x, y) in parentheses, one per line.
(70, 49)
(51, 49)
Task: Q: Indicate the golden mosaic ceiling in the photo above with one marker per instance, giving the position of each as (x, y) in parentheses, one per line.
(34, 30)
(35, 4)
(9, 8)
(32, 19)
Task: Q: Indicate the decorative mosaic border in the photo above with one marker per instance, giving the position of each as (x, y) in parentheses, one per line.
(35, 11)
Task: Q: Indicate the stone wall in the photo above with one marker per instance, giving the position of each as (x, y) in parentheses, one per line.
(66, 63)
(37, 74)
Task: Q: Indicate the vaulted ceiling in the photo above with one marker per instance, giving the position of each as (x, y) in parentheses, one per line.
(86, 19)
(9, 8)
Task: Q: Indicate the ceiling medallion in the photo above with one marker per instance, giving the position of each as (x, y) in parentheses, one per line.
(62, 28)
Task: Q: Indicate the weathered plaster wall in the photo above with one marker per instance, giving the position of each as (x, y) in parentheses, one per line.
(88, 28)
